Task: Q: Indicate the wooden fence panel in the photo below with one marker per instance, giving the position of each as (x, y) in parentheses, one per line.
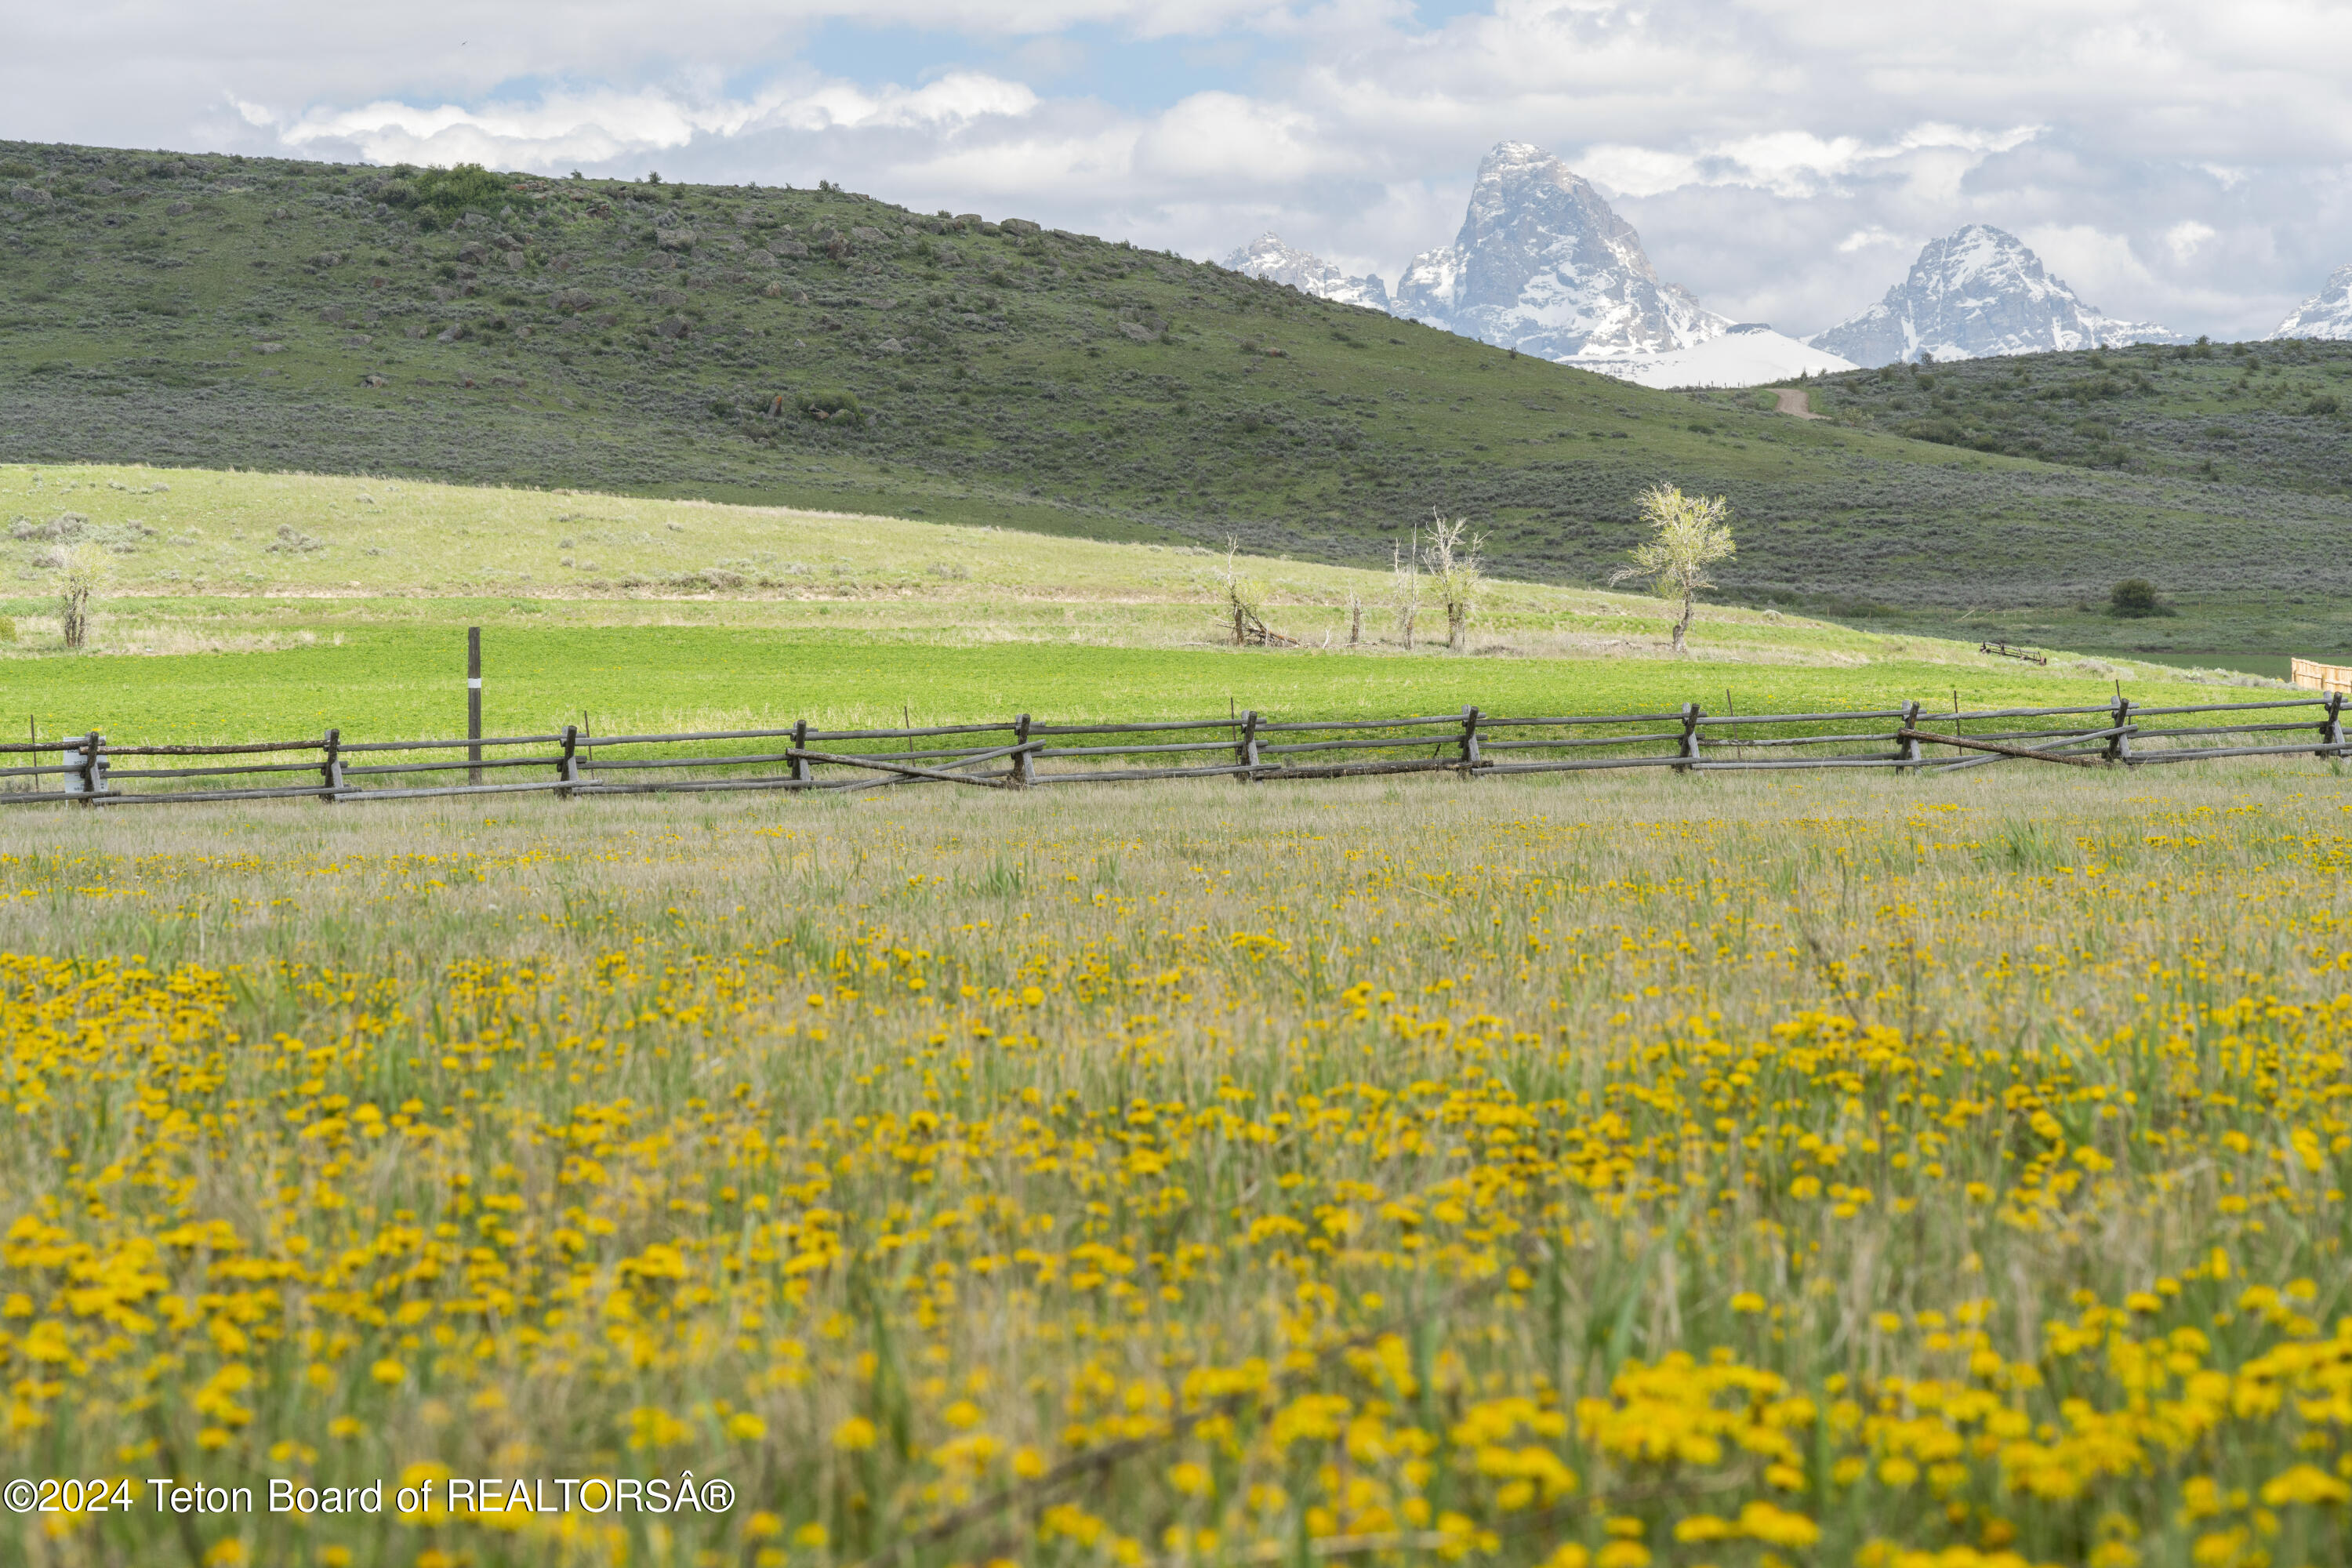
(2334, 679)
(1250, 747)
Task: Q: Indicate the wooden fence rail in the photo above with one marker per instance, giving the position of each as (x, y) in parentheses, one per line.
(1020, 752)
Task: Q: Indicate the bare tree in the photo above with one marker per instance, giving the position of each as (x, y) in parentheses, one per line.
(1687, 535)
(1404, 585)
(1452, 561)
(1355, 617)
(1244, 601)
(86, 568)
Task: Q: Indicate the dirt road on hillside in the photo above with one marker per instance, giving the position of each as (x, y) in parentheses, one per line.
(1799, 404)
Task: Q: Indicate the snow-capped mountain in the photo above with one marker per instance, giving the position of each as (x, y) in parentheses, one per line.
(1543, 266)
(1267, 256)
(1747, 354)
(2326, 314)
(1978, 293)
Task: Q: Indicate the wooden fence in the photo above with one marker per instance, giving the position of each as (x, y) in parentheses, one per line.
(2313, 676)
(89, 770)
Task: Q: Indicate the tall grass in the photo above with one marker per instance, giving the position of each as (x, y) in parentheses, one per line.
(1578, 1171)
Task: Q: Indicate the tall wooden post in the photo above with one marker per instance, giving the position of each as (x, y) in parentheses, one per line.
(93, 768)
(474, 703)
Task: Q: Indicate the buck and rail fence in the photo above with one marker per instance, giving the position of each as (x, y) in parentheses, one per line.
(1022, 752)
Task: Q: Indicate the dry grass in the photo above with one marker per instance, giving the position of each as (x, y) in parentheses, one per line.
(199, 536)
(1317, 1172)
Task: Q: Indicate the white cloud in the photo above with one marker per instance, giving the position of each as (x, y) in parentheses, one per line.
(2184, 237)
(603, 126)
(2099, 265)
(1866, 238)
(1797, 164)
(1222, 136)
(1636, 171)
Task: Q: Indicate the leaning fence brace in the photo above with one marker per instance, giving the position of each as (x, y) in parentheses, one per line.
(1252, 747)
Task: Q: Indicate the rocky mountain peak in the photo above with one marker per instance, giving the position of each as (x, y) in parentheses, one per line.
(2326, 314)
(1979, 291)
(1270, 258)
(1543, 264)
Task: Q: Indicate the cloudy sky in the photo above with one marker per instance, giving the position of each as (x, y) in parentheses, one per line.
(2185, 162)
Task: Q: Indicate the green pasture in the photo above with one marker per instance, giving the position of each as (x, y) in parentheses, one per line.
(250, 606)
(400, 680)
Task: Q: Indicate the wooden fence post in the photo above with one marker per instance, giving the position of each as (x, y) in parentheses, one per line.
(93, 770)
(1025, 771)
(800, 743)
(2120, 743)
(331, 767)
(1469, 739)
(568, 768)
(1910, 752)
(1247, 750)
(1690, 738)
(474, 703)
(2331, 733)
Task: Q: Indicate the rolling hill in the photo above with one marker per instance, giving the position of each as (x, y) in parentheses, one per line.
(825, 349)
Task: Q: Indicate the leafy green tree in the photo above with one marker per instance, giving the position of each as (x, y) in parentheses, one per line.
(1687, 535)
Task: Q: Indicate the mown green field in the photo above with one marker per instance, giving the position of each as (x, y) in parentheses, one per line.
(247, 606)
(406, 680)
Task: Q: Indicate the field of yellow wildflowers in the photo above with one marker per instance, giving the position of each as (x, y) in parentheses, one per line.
(1564, 1174)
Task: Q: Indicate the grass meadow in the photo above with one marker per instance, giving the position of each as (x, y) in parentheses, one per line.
(1588, 1173)
(249, 606)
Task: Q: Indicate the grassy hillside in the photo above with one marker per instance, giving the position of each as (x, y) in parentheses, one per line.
(684, 340)
(248, 606)
(2249, 443)
(2274, 416)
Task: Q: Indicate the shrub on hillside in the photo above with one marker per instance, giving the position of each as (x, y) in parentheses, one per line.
(836, 407)
(1943, 431)
(439, 195)
(2135, 597)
